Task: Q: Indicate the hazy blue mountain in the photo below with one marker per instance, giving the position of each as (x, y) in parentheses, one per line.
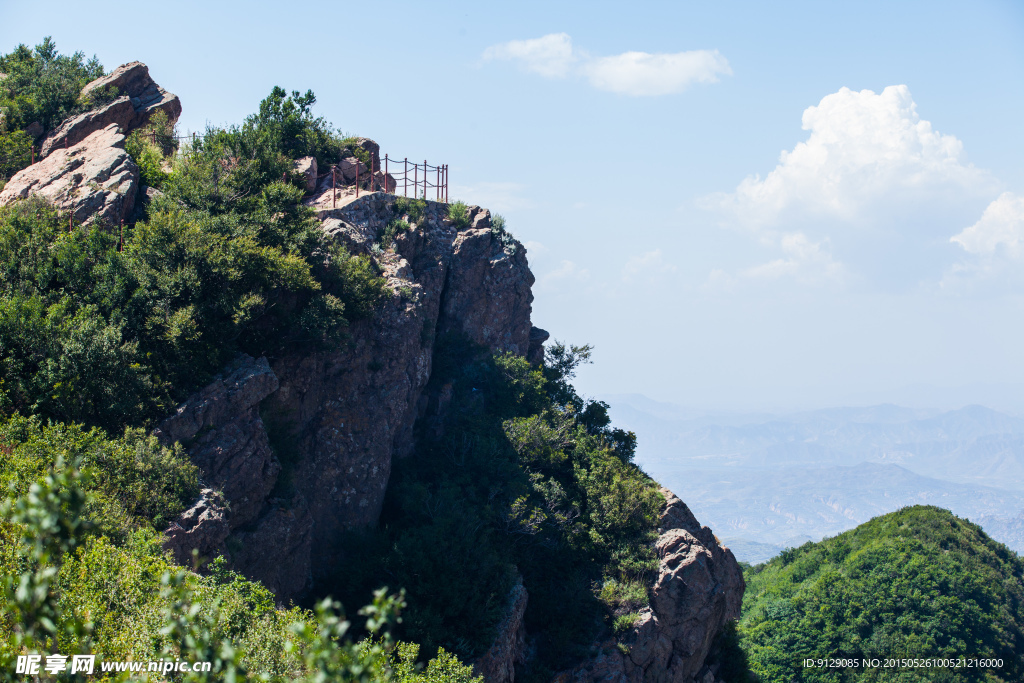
(764, 482)
(972, 445)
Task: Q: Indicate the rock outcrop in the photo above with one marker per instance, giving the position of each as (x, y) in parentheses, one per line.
(139, 99)
(306, 167)
(498, 664)
(350, 410)
(221, 427)
(94, 180)
(699, 588)
(204, 527)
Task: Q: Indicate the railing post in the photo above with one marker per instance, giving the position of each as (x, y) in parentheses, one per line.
(437, 185)
(415, 180)
(334, 192)
(424, 180)
(405, 179)
(385, 174)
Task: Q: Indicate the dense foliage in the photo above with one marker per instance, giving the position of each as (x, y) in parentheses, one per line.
(917, 583)
(39, 85)
(66, 589)
(227, 260)
(518, 475)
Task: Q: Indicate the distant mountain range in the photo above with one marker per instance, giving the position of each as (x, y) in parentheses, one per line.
(764, 482)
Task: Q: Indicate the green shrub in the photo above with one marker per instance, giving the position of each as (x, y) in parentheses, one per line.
(67, 591)
(14, 153)
(458, 214)
(228, 260)
(392, 230)
(148, 156)
(43, 85)
(410, 207)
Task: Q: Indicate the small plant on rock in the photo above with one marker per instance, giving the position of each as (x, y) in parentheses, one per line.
(458, 214)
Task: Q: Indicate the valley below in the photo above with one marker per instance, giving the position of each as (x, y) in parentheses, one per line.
(767, 482)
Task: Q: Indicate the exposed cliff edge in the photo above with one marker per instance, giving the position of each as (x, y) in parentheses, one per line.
(349, 410)
(297, 448)
(698, 589)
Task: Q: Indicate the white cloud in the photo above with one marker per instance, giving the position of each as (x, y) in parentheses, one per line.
(647, 267)
(805, 261)
(640, 73)
(866, 155)
(1000, 228)
(550, 56)
(631, 73)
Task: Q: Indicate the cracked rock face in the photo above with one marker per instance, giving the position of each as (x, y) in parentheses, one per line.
(353, 408)
(699, 588)
(94, 180)
(139, 99)
(350, 410)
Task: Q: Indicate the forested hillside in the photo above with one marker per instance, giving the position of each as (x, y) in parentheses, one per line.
(918, 584)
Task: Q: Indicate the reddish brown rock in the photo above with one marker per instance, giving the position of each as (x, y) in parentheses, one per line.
(699, 588)
(139, 99)
(94, 179)
(306, 167)
(225, 437)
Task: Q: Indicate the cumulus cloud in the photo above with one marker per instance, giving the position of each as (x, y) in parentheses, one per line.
(1000, 229)
(867, 154)
(636, 74)
(805, 261)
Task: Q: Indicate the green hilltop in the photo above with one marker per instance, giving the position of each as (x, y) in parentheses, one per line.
(918, 583)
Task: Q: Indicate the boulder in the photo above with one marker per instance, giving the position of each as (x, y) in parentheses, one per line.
(384, 181)
(347, 170)
(535, 351)
(203, 527)
(94, 179)
(130, 79)
(698, 589)
(372, 148)
(139, 98)
(306, 167)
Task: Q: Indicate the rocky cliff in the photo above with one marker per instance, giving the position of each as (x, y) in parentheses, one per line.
(298, 448)
(348, 411)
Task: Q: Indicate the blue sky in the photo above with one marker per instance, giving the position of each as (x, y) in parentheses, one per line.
(740, 205)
